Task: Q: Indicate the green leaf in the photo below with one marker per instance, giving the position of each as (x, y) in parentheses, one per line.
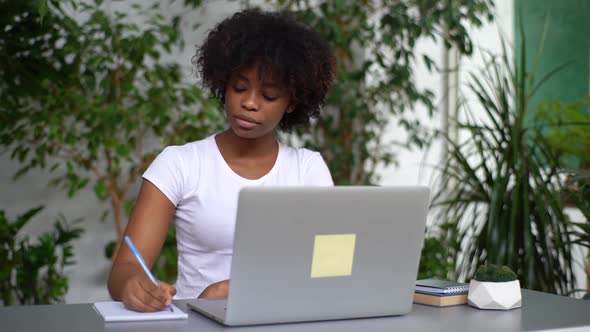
(129, 207)
(100, 190)
(123, 151)
(42, 9)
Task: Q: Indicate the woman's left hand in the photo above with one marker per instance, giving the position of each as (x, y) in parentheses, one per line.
(217, 290)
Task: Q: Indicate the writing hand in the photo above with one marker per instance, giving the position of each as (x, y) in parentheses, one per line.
(140, 294)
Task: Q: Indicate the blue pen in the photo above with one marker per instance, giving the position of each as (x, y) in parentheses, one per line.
(142, 263)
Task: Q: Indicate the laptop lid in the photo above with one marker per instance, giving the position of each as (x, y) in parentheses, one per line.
(319, 253)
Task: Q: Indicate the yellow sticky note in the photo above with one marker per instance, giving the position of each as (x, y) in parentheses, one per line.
(332, 255)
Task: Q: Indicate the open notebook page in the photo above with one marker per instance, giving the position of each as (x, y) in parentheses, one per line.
(116, 312)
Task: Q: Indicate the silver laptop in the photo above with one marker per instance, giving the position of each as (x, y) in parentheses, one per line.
(322, 253)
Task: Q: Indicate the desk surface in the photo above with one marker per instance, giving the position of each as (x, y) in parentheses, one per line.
(540, 311)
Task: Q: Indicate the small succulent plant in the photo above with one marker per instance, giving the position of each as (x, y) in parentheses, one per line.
(494, 273)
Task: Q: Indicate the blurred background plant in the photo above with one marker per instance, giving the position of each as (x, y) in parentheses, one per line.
(439, 253)
(566, 128)
(561, 122)
(502, 184)
(88, 96)
(32, 271)
(577, 191)
(376, 46)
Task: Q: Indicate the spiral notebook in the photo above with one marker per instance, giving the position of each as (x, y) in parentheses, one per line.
(112, 311)
(440, 286)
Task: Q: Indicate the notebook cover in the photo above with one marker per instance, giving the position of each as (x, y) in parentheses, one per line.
(439, 283)
(440, 286)
(112, 311)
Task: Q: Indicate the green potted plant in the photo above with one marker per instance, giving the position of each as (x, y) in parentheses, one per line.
(494, 287)
(501, 186)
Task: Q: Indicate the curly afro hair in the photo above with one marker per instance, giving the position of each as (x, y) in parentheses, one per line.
(293, 53)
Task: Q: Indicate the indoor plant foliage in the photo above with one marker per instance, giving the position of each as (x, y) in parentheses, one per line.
(32, 272)
(577, 191)
(375, 45)
(567, 129)
(494, 287)
(88, 97)
(439, 253)
(501, 186)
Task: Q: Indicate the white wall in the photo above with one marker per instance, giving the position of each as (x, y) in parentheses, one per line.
(416, 167)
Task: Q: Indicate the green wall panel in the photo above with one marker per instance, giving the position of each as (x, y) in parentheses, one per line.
(567, 40)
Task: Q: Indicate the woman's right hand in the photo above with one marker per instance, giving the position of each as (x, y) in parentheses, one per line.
(141, 294)
(148, 225)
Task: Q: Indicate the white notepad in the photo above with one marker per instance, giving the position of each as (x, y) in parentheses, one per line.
(116, 312)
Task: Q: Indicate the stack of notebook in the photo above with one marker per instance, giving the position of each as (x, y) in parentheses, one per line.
(440, 293)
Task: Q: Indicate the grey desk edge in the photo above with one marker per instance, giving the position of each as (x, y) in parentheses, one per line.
(540, 312)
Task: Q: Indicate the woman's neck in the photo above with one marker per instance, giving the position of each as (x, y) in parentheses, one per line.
(232, 145)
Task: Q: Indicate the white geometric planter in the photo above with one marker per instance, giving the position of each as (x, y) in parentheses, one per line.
(494, 295)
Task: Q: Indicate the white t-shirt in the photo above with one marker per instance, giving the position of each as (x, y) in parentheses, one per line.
(204, 189)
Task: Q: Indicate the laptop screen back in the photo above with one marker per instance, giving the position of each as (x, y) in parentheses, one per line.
(316, 253)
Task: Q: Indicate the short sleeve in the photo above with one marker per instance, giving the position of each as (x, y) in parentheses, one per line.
(317, 172)
(166, 172)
